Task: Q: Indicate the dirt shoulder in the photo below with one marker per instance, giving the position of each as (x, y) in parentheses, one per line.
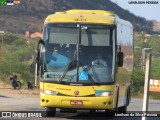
(6, 89)
(18, 100)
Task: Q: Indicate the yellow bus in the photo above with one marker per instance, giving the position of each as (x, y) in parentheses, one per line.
(84, 61)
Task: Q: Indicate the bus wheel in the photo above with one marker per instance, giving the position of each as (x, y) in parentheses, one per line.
(122, 109)
(50, 112)
(128, 96)
(63, 110)
(92, 111)
(110, 113)
(116, 106)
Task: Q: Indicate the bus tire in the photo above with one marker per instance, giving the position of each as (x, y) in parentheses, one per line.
(129, 96)
(116, 106)
(50, 112)
(109, 113)
(122, 109)
(64, 110)
(92, 111)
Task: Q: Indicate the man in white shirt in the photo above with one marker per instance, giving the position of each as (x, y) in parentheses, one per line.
(99, 60)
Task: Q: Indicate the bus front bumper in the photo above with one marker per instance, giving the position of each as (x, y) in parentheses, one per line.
(76, 102)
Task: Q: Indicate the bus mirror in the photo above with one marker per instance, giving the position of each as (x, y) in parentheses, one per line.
(37, 61)
(120, 59)
(40, 42)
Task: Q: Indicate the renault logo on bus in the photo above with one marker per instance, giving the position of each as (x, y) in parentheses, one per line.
(76, 92)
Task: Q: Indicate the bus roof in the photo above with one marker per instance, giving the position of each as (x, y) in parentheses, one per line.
(82, 16)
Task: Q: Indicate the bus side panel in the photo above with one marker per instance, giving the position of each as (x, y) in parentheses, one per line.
(125, 41)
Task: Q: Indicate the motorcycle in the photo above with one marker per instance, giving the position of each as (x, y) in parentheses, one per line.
(15, 84)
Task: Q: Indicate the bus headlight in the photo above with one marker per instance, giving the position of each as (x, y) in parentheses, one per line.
(49, 92)
(108, 93)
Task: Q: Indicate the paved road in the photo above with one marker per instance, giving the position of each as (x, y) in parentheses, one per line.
(26, 102)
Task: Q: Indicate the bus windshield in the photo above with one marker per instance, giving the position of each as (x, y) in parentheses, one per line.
(78, 55)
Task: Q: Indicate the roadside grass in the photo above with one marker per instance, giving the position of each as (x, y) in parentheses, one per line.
(124, 75)
(16, 60)
(24, 90)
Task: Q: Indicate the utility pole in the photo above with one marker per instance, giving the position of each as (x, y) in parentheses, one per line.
(146, 86)
(144, 51)
(2, 46)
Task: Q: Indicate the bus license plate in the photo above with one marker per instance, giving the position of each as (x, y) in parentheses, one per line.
(76, 102)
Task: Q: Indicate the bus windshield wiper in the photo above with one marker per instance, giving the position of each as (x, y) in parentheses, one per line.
(72, 65)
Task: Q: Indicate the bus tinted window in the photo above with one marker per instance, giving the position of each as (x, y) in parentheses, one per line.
(92, 35)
